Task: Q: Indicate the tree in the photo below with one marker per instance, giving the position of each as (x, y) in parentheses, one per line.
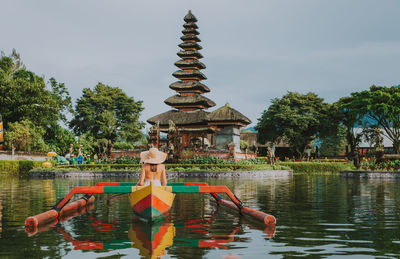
(64, 138)
(21, 93)
(380, 106)
(25, 136)
(107, 114)
(334, 144)
(350, 119)
(123, 146)
(296, 117)
(25, 96)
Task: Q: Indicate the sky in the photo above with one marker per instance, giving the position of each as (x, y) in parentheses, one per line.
(254, 50)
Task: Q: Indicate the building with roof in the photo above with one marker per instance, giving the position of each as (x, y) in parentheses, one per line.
(189, 106)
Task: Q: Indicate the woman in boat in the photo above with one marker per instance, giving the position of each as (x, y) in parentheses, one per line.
(152, 169)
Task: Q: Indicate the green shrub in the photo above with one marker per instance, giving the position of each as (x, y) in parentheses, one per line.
(176, 167)
(18, 167)
(316, 167)
(123, 146)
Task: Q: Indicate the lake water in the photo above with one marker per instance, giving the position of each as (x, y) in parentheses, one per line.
(317, 216)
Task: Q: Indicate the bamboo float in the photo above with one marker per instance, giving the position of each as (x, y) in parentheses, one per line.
(51, 216)
(265, 218)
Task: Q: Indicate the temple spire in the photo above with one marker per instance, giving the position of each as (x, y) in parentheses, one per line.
(189, 86)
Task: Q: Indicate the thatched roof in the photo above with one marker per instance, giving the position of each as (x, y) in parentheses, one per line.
(179, 100)
(190, 45)
(189, 53)
(180, 117)
(195, 85)
(190, 63)
(190, 25)
(190, 37)
(190, 31)
(227, 114)
(190, 17)
(181, 74)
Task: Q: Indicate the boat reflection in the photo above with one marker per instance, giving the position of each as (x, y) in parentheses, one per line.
(152, 240)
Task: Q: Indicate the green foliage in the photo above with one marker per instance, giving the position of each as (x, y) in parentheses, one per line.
(335, 144)
(214, 160)
(123, 146)
(24, 136)
(18, 167)
(243, 144)
(63, 140)
(89, 144)
(122, 160)
(296, 117)
(316, 167)
(175, 167)
(25, 96)
(380, 105)
(101, 167)
(107, 114)
(197, 159)
(350, 118)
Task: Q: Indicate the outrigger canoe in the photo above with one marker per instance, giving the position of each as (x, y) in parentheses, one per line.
(148, 202)
(151, 202)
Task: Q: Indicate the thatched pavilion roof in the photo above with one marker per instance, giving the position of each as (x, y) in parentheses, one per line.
(180, 118)
(196, 99)
(190, 37)
(190, 17)
(227, 114)
(182, 74)
(190, 45)
(190, 25)
(195, 85)
(189, 53)
(190, 63)
(190, 31)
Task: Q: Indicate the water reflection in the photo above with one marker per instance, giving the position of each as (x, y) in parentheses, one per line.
(317, 216)
(152, 240)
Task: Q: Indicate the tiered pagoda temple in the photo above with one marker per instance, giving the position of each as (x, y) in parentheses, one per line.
(220, 127)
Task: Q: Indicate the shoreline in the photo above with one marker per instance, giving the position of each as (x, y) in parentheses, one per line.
(362, 174)
(77, 174)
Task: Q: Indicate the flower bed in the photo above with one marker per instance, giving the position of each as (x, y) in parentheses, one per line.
(371, 164)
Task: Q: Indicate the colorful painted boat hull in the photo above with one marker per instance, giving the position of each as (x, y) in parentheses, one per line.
(151, 202)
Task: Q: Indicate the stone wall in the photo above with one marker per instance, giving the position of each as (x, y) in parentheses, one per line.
(371, 174)
(260, 174)
(19, 155)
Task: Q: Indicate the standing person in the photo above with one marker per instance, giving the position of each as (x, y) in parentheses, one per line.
(152, 169)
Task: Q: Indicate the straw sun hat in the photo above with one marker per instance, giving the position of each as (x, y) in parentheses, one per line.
(153, 156)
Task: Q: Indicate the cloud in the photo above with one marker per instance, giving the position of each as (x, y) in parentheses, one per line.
(254, 51)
